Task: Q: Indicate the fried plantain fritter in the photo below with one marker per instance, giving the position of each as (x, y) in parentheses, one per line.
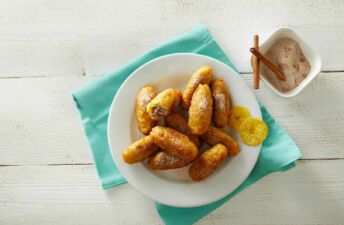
(201, 76)
(163, 103)
(201, 109)
(179, 123)
(144, 121)
(174, 142)
(165, 161)
(221, 102)
(207, 162)
(139, 150)
(214, 136)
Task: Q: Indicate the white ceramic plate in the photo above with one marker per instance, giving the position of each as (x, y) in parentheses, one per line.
(174, 187)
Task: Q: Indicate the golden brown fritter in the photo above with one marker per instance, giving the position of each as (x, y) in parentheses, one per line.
(139, 150)
(179, 123)
(144, 121)
(201, 76)
(174, 142)
(200, 110)
(163, 103)
(221, 102)
(165, 161)
(207, 162)
(214, 136)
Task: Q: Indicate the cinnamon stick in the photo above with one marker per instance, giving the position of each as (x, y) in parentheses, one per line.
(277, 71)
(255, 63)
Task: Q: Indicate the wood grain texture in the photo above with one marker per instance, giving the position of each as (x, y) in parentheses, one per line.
(314, 118)
(40, 124)
(50, 48)
(44, 38)
(45, 195)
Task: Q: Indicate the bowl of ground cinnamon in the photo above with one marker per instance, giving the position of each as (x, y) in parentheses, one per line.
(298, 62)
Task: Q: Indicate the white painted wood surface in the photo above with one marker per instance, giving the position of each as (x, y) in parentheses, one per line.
(50, 48)
(45, 127)
(312, 194)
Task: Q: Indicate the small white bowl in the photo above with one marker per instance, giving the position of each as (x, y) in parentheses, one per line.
(312, 57)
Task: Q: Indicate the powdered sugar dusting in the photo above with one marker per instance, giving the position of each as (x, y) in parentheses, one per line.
(176, 139)
(203, 104)
(146, 98)
(198, 80)
(167, 158)
(220, 100)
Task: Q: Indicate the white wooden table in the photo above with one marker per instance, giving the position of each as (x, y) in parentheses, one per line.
(50, 48)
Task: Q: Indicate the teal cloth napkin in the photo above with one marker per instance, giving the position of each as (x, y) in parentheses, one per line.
(93, 101)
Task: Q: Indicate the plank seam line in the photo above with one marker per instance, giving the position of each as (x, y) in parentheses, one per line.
(323, 71)
(321, 159)
(50, 164)
(18, 77)
(68, 164)
(94, 75)
(89, 164)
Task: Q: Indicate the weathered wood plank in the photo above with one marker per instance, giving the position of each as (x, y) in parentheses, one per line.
(44, 38)
(312, 193)
(40, 125)
(58, 42)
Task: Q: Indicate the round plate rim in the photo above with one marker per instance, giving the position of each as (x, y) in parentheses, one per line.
(110, 140)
